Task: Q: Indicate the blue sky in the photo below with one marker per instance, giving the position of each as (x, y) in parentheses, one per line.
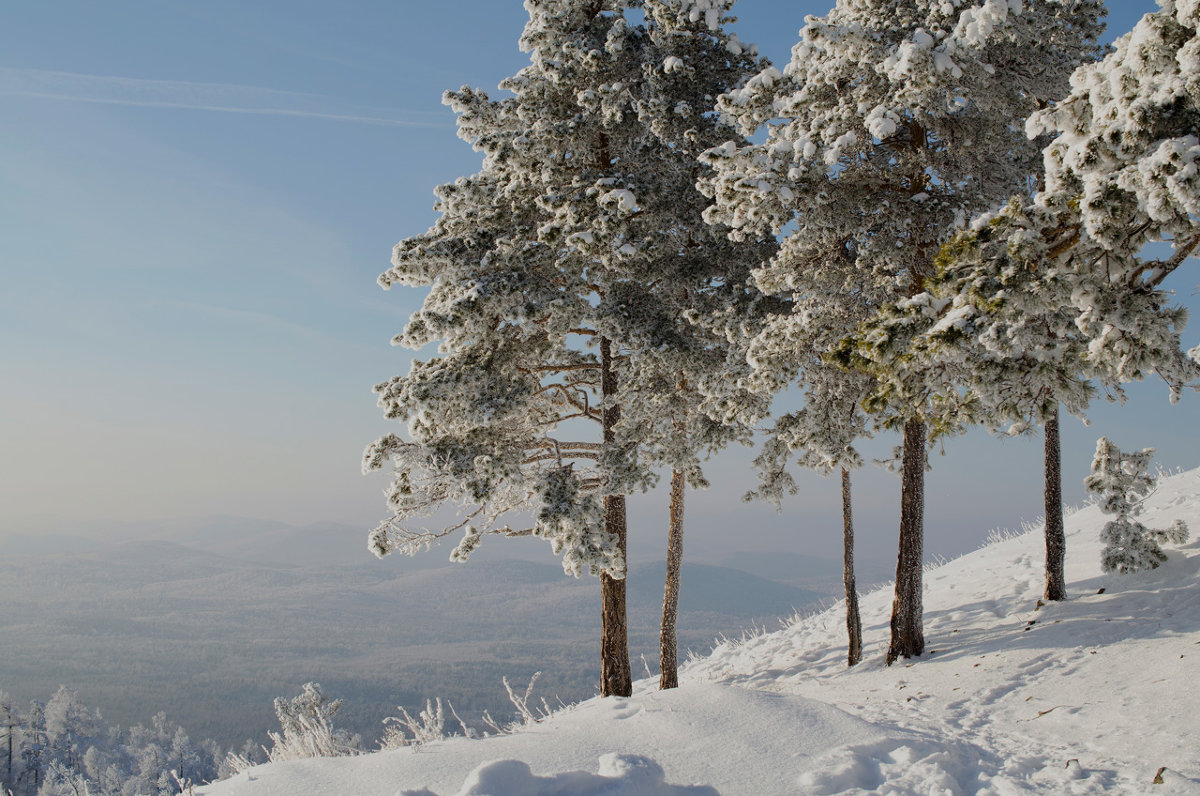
(195, 200)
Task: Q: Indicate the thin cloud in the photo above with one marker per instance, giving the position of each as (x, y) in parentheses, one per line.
(232, 316)
(219, 97)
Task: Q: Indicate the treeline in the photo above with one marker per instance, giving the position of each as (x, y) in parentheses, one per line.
(62, 747)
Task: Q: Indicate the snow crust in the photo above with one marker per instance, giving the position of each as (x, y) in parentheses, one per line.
(1093, 695)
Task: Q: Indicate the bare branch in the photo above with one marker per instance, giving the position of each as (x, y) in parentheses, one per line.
(563, 418)
(566, 455)
(559, 368)
(1156, 271)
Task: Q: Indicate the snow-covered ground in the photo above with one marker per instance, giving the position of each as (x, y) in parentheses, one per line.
(1094, 695)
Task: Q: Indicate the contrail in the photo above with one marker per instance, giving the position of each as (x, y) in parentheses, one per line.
(220, 97)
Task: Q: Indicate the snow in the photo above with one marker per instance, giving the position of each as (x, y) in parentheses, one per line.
(1093, 695)
(881, 122)
(977, 25)
(622, 198)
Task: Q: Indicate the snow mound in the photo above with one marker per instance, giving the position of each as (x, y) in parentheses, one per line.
(619, 775)
(1097, 694)
(705, 734)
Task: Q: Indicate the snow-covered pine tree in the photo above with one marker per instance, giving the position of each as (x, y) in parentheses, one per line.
(706, 297)
(891, 125)
(35, 751)
(1008, 354)
(71, 726)
(1122, 482)
(572, 281)
(1049, 292)
(10, 722)
(819, 436)
(1121, 173)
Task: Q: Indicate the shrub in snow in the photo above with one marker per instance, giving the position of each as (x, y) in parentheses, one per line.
(1123, 484)
(428, 725)
(307, 728)
(527, 715)
(405, 730)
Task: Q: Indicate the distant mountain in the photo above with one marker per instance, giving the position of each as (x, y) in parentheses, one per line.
(796, 569)
(211, 621)
(316, 545)
(719, 590)
(33, 544)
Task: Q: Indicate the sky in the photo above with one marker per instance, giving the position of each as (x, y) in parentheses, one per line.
(195, 202)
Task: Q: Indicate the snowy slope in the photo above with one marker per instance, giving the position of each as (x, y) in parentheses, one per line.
(1091, 696)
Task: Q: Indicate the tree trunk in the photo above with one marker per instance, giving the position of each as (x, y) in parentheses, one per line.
(616, 677)
(668, 648)
(853, 620)
(1056, 538)
(908, 638)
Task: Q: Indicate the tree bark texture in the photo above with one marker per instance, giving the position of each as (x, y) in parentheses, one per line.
(1056, 537)
(616, 676)
(668, 645)
(908, 637)
(853, 619)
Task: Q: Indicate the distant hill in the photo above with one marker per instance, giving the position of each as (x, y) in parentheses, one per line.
(796, 569)
(212, 620)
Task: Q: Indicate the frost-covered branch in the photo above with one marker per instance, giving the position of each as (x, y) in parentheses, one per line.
(429, 725)
(527, 715)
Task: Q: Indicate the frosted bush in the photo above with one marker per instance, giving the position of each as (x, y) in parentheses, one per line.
(307, 727)
(428, 725)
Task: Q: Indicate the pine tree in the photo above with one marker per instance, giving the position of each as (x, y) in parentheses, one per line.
(572, 281)
(1121, 481)
(9, 722)
(853, 618)
(34, 754)
(71, 726)
(819, 436)
(891, 125)
(1054, 293)
(1006, 354)
(705, 277)
(1120, 174)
